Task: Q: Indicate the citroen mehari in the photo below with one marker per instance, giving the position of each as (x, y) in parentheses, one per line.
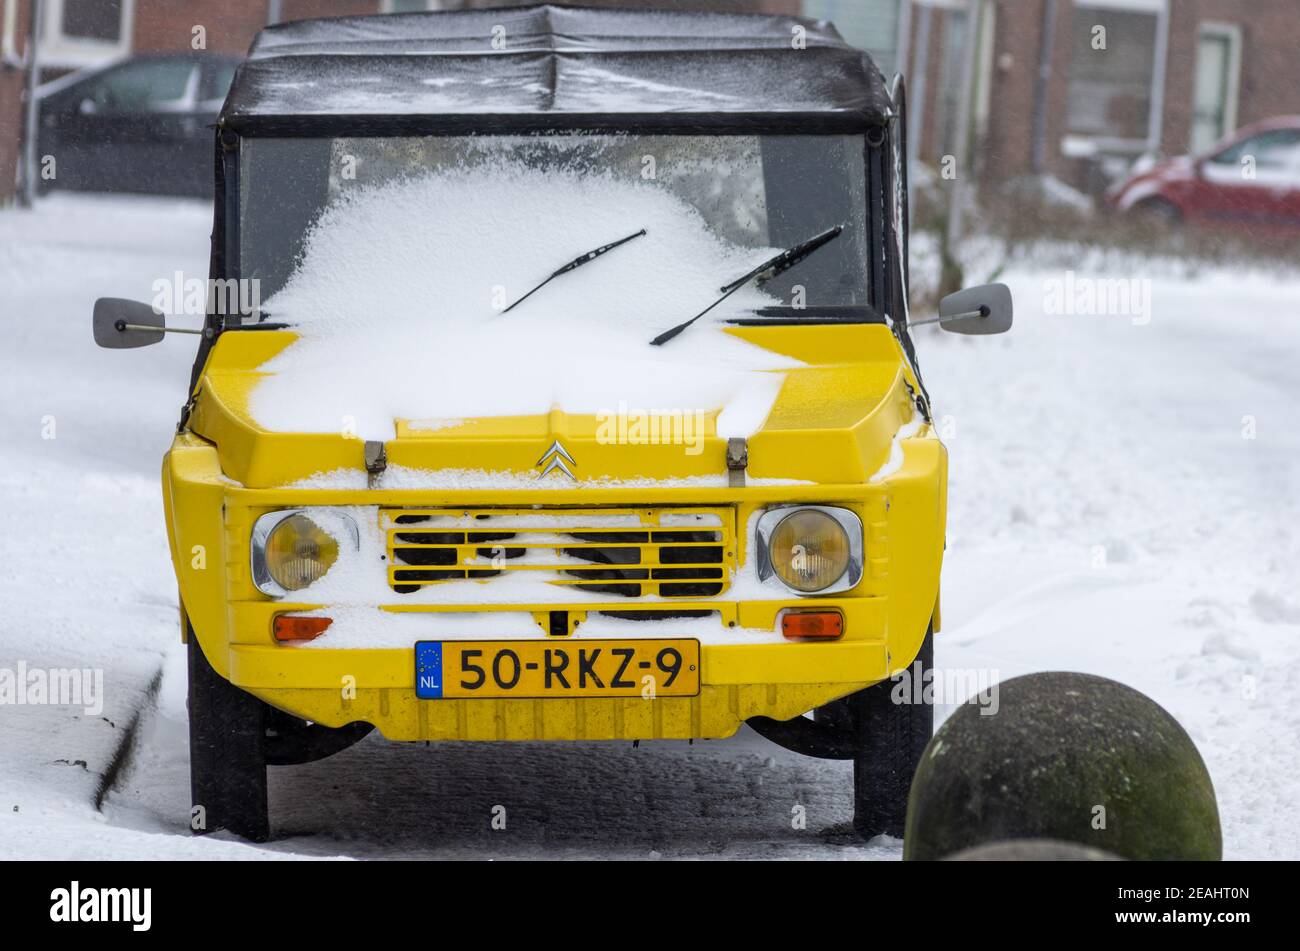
(575, 398)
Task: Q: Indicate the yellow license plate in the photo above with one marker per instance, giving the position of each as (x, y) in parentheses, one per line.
(547, 669)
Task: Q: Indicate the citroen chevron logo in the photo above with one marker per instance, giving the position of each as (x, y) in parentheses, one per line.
(555, 458)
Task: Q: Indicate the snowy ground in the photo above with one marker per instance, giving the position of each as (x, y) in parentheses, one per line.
(1108, 514)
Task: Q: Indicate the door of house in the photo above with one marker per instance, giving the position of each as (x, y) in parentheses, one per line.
(1214, 103)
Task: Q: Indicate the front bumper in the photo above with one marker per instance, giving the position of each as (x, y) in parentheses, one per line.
(886, 616)
(775, 678)
(738, 684)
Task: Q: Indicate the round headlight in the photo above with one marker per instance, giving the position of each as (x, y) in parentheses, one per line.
(299, 552)
(809, 550)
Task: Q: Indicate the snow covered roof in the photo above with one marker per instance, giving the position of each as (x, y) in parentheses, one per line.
(545, 67)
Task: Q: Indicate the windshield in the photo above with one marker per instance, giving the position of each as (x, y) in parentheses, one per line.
(510, 209)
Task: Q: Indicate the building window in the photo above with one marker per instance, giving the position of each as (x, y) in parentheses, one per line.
(77, 33)
(419, 6)
(92, 20)
(871, 25)
(1112, 70)
(1214, 92)
(952, 60)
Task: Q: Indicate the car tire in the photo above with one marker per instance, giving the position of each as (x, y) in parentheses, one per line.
(891, 738)
(227, 753)
(1159, 211)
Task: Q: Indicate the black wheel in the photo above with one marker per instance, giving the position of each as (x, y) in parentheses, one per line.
(890, 740)
(836, 715)
(227, 754)
(1159, 213)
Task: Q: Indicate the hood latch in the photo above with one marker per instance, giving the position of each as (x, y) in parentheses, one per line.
(737, 461)
(376, 462)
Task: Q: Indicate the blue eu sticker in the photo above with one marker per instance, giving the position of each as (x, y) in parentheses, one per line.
(428, 670)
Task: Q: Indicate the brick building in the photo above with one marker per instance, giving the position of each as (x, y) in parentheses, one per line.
(1174, 75)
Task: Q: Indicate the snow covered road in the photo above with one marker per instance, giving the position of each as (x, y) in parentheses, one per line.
(1124, 500)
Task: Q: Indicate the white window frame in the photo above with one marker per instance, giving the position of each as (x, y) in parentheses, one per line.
(1233, 33)
(430, 5)
(9, 44)
(58, 51)
(1077, 144)
(1133, 6)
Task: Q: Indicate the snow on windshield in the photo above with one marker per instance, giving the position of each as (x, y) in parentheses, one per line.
(398, 296)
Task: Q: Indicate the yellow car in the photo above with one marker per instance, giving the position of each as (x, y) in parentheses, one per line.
(556, 384)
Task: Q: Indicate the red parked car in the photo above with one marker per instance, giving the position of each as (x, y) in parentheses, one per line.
(1250, 180)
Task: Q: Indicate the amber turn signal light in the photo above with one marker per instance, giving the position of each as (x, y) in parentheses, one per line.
(822, 625)
(290, 628)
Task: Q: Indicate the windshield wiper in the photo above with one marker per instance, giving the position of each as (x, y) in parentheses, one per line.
(765, 272)
(574, 264)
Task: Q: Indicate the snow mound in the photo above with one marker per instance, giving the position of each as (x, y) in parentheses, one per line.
(399, 291)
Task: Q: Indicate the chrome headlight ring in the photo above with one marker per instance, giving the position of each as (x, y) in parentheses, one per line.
(262, 529)
(848, 521)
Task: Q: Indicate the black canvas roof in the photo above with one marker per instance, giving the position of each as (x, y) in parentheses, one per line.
(556, 67)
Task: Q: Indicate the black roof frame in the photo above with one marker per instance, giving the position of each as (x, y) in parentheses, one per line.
(560, 67)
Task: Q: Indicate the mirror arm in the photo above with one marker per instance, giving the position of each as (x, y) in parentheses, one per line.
(968, 315)
(122, 326)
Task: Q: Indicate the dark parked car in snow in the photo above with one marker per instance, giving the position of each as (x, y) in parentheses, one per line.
(142, 124)
(1250, 180)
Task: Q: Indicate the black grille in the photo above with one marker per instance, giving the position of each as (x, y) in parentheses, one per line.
(672, 562)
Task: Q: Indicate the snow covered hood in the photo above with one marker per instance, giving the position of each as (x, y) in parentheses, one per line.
(542, 61)
(830, 419)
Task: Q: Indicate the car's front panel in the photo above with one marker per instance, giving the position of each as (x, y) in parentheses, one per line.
(581, 567)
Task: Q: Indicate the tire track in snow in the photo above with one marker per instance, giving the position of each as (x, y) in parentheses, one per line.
(121, 759)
